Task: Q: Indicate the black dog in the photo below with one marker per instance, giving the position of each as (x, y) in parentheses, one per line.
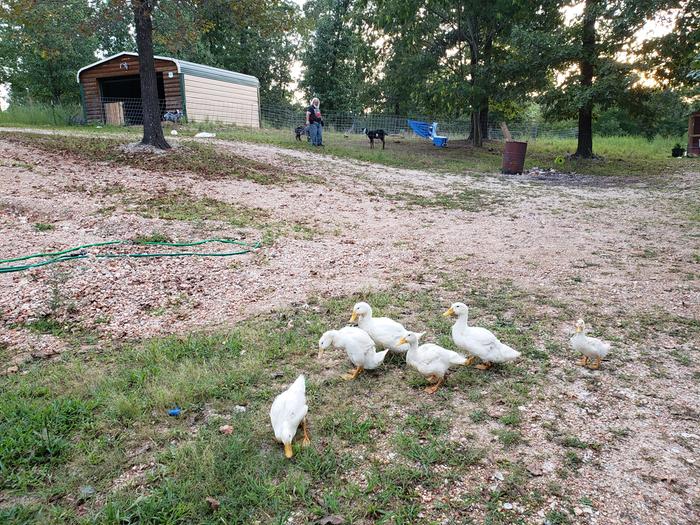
(378, 134)
(302, 130)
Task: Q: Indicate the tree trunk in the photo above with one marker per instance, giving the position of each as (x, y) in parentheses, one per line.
(477, 138)
(484, 120)
(585, 112)
(152, 129)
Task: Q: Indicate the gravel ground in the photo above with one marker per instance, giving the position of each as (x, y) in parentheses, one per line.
(626, 251)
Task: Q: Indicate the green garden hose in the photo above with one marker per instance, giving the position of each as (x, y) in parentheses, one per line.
(79, 252)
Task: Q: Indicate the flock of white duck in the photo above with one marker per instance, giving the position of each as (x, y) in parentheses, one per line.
(289, 409)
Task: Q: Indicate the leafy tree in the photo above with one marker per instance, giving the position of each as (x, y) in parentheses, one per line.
(647, 112)
(467, 57)
(674, 58)
(42, 45)
(339, 59)
(255, 38)
(587, 53)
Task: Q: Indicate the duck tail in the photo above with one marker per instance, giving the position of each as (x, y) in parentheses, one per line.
(459, 359)
(379, 356)
(299, 384)
(509, 353)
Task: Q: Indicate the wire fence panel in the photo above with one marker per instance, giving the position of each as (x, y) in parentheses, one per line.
(129, 111)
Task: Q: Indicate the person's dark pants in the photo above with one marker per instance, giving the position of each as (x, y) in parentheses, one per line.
(315, 132)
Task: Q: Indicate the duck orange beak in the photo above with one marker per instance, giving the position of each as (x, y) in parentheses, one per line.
(288, 452)
(449, 313)
(353, 317)
(401, 341)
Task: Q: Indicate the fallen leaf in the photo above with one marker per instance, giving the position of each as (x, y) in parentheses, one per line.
(330, 520)
(226, 429)
(213, 503)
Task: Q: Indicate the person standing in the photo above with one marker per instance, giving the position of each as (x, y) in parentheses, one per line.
(315, 122)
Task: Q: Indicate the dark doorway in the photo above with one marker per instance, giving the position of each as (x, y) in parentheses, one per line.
(127, 90)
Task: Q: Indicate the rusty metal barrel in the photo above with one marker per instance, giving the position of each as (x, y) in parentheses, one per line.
(514, 157)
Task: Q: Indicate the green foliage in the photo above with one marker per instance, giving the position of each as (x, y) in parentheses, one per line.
(43, 44)
(40, 114)
(255, 38)
(674, 58)
(458, 58)
(645, 112)
(586, 54)
(339, 58)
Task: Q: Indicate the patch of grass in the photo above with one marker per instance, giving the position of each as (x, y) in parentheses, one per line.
(152, 237)
(204, 160)
(35, 114)
(180, 206)
(512, 418)
(43, 227)
(508, 438)
(351, 426)
(572, 460)
(425, 424)
(436, 451)
(466, 199)
(46, 325)
(478, 416)
(557, 517)
(573, 442)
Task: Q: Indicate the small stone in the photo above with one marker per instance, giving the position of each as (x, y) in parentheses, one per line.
(534, 469)
(499, 475)
(277, 374)
(239, 408)
(507, 506)
(87, 491)
(226, 429)
(12, 370)
(214, 503)
(578, 511)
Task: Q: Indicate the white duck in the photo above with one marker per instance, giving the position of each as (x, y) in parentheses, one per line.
(591, 348)
(357, 344)
(288, 410)
(384, 332)
(431, 360)
(479, 342)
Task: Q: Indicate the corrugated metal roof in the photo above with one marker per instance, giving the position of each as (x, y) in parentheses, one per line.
(215, 73)
(189, 68)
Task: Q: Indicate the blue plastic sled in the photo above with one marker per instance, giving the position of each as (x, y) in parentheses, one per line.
(425, 130)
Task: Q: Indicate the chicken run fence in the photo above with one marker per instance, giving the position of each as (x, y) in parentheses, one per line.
(129, 112)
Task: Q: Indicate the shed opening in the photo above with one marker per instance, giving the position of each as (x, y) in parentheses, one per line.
(126, 92)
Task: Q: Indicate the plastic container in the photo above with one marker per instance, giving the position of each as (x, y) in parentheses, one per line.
(514, 157)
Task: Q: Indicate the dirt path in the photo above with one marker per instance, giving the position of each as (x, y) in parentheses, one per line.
(622, 251)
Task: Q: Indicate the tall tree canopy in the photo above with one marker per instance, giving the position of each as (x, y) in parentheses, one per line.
(463, 51)
(592, 57)
(674, 58)
(255, 38)
(43, 44)
(339, 57)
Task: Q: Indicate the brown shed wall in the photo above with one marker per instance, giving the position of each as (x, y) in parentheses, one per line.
(89, 79)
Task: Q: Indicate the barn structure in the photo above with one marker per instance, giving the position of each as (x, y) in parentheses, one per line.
(110, 91)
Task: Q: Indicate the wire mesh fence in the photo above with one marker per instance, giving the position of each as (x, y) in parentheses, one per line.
(129, 111)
